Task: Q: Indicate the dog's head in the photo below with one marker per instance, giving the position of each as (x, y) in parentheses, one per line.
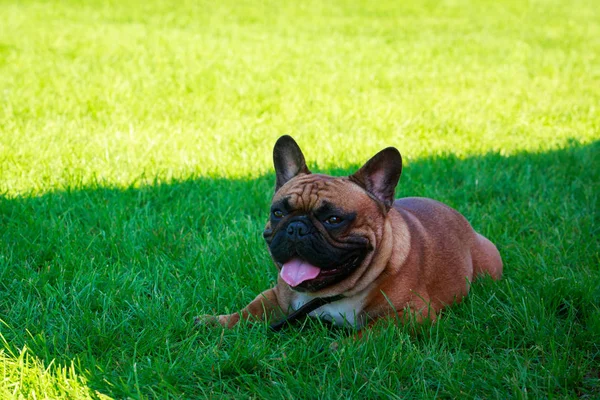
(323, 230)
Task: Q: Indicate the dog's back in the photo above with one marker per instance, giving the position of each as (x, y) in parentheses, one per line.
(445, 250)
(445, 223)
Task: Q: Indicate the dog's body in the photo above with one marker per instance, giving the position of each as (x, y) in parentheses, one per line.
(346, 236)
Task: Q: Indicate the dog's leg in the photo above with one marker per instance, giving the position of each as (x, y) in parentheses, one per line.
(420, 311)
(486, 258)
(265, 305)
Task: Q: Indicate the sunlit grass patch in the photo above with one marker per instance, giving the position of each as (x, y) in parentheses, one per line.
(116, 93)
(24, 376)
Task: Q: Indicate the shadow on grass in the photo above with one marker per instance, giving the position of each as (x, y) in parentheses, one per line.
(112, 278)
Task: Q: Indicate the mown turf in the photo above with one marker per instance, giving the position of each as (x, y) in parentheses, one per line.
(135, 145)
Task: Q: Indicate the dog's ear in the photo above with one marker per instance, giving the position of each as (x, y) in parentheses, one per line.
(379, 176)
(288, 160)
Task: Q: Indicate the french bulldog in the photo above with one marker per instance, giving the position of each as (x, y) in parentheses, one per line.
(346, 242)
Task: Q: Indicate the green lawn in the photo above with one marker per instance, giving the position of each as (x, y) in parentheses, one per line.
(136, 176)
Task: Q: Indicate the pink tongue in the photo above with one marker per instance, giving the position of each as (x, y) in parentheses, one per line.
(296, 271)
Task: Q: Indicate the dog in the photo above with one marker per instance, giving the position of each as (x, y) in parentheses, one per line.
(344, 245)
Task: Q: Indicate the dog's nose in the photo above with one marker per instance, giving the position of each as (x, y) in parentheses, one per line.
(297, 229)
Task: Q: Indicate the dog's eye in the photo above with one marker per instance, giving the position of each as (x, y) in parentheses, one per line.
(333, 220)
(278, 213)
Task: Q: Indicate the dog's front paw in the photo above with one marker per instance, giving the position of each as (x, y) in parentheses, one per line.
(226, 321)
(206, 320)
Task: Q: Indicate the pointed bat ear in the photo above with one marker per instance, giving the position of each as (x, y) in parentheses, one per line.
(288, 160)
(379, 176)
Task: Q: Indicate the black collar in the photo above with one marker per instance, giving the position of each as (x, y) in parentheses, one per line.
(303, 311)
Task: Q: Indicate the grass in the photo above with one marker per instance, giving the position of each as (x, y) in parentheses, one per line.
(135, 146)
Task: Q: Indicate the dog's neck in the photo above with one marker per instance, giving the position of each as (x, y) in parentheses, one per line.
(303, 311)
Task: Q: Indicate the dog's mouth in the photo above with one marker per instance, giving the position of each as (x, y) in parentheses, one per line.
(304, 276)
